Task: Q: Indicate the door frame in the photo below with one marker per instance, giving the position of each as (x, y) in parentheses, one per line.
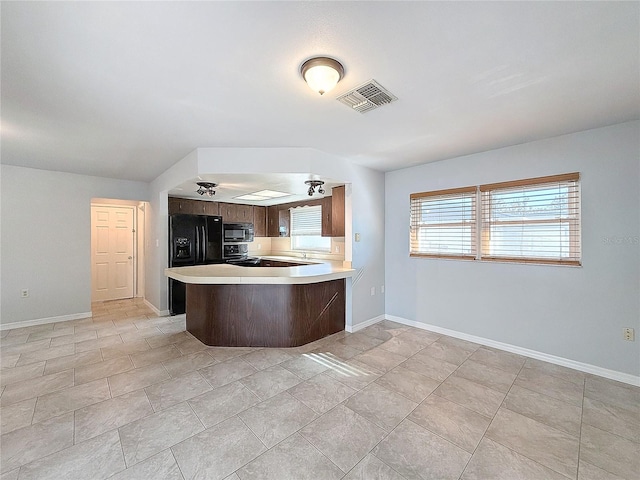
(139, 210)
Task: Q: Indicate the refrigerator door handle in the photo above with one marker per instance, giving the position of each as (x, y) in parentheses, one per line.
(204, 245)
(197, 255)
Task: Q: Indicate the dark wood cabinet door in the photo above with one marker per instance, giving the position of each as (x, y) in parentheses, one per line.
(192, 207)
(198, 207)
(337, 212)
(284, 219)
(174, 205)
(260, 221)
(183, 205)
(327, 229)
(211, 208)
(228, 212)
(244, 213)
(273, 221)
(236, 212)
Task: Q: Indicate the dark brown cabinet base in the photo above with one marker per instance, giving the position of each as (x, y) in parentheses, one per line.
(265, 315)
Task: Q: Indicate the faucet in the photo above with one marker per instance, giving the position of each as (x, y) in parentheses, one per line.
(304, 254)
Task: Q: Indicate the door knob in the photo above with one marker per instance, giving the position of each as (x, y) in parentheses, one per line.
(130, 258)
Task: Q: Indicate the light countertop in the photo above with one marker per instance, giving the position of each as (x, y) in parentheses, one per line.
(232, 274)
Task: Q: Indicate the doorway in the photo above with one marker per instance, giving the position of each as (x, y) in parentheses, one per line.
(116, 240)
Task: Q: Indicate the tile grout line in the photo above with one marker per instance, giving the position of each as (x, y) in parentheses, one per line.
(387, 433)
(492, 419)
(176, 462)
(515, 451)
(124, 458)
(584, 384)
(317, 448)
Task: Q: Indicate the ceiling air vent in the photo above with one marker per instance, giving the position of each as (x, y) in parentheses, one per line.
(366, 97)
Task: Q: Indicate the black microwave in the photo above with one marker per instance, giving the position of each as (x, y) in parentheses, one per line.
(237, 232)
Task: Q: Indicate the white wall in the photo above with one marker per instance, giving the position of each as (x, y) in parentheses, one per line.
(574, 313)
(366, 197)
(46, 239)
(156, 228)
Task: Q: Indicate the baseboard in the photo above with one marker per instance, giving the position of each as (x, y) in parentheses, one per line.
(160, 313)
(366, 323)
(44, 321)
(545, 357)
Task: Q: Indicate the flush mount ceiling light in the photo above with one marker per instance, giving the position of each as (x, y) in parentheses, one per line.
(312, 187)
(322, 73)
(206, 187)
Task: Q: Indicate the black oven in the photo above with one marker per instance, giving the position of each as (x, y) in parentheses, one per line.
(237, 232)
(235, 251)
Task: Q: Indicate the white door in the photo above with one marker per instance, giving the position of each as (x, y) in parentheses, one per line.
(112, 241)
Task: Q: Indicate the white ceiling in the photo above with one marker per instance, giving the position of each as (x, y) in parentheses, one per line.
(124, 90)
(234, 185)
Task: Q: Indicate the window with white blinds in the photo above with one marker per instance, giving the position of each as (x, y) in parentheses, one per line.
(306, 229)
(443, 223)
(535, 220)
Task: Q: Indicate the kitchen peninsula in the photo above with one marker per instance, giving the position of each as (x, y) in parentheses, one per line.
(288, 306)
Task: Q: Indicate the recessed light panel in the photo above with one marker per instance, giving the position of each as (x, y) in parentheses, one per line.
(262, 195)
(271, 194)
(250, 196)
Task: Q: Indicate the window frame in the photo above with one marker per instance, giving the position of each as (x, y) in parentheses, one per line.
(293, 236)
(415, 227)
(483, 224)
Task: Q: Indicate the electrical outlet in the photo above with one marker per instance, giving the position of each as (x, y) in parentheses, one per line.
(373, 291)
(357, 237)
(337, 248)
(259, 246)
(24, 293)
(382, 289)
(629, 334)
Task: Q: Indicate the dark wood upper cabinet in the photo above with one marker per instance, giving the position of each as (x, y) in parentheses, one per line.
(273, 221)
(333, 213)
(284, 221)
(337, 211)
(236, 212)
(175, 205)
(327, 229)
(244, 213)
(228, 212)
(192, 207)
(211, 208)
(260, 221)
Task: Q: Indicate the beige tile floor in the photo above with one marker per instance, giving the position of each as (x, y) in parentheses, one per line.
(127, 395)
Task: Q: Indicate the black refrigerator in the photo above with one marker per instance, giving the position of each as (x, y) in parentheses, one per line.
(193, 240)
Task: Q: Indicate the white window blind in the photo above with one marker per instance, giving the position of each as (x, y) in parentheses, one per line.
(306, 220)
(535, 220)
(306, 229)
(443, 223)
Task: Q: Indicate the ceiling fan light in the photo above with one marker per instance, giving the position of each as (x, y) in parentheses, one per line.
(322, 74)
